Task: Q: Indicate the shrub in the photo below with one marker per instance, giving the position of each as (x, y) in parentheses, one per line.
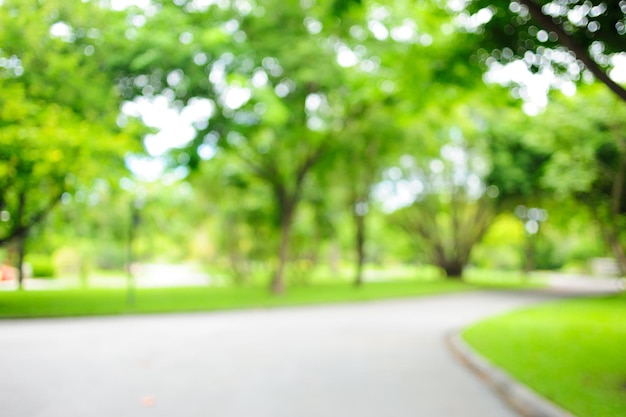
(67, 261)
(110, 256)
(42, 266)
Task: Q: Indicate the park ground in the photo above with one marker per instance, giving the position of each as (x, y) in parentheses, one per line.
(571, 352)
(391, 351)
(175, 288)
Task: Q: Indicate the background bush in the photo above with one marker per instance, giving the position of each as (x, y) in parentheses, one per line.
(42, 265)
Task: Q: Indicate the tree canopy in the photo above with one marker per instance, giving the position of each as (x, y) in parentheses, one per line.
(303, 126)
(58, 109)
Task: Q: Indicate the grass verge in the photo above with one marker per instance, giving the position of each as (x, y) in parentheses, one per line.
(84, 302)
(571, 352)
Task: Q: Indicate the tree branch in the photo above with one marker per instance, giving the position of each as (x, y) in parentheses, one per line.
(566, 40)
(22, 229)
(308, 163)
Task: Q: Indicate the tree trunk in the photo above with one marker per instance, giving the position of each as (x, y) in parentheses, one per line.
(287, 199)
(359, 220)
(618, 252)
(21, 252)
(616, 208)
(612, 239)
(529, 254)
(237, 264)
(334, 257)
(278, 281)
(453, 270)
(238, 268)
(83, 273)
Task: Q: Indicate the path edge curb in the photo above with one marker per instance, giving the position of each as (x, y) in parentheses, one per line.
(519, 397)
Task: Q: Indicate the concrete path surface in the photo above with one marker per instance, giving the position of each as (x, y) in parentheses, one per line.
(385, 358)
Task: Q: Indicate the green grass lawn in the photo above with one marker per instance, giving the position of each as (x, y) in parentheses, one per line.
(572, 352)
(81, 302)
(97, 301)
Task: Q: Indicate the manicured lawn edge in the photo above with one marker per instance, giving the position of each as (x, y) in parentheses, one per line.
(94, 302)
(569, 351)
(519, 397)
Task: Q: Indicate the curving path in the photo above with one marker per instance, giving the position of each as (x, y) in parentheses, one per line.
(384, 358)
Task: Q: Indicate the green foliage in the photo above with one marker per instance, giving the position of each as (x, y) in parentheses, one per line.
(547, 255)
(501, 247)
(585, 136)
(517, 166)
(42, 265)
(589, 143)
(565, 38)
(446, 230)
(571, 352)
(340, 7)
(568, 160)
(58, 108)
(67, 260)
(512, 26)
(307, 108)
(451, 207)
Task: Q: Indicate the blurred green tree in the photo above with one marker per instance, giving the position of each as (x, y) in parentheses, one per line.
(447, 204)
(566, 37)
(587, 136)
(58, 110)
(573, 150)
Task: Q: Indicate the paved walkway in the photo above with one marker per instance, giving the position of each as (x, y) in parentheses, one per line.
(374, 359)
